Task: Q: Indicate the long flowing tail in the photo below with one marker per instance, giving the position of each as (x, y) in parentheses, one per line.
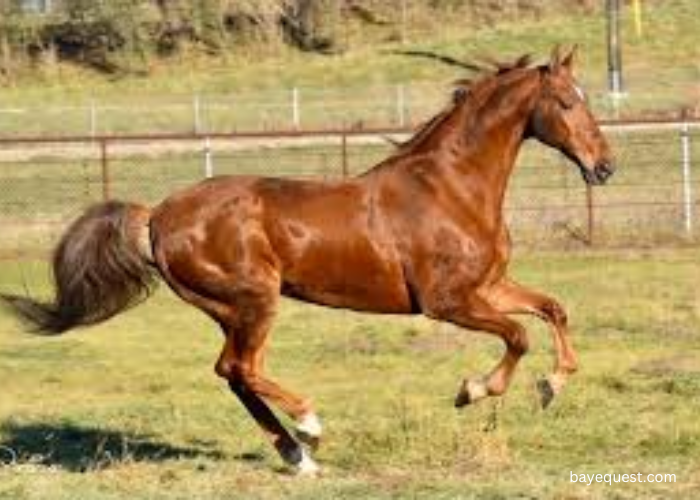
(101, 267)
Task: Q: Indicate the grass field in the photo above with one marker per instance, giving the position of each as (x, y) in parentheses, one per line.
(132, 408)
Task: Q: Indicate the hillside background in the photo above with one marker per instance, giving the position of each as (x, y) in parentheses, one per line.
(110, 54)
(121, 36)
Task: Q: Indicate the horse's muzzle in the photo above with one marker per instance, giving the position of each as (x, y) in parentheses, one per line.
(599, 175)
(604, 171)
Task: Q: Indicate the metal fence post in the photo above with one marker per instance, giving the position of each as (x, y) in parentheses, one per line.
(590, 214)
(401, 105)
(344, 154)
(687, 180)
(104, 162)
(404, 22)
(296, 112)
(93, 118)
(197, 113)
(208, 158)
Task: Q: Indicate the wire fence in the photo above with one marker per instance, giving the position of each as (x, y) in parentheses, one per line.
(653, 199)
(295, 108)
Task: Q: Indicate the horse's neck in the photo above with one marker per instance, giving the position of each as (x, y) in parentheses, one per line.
(492, 137)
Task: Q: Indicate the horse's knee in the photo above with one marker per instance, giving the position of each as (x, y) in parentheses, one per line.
(555, 313)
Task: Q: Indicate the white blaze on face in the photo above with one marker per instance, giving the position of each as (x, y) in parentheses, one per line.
(579, 92)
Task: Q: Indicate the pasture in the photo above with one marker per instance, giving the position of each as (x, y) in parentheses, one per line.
(132, 408)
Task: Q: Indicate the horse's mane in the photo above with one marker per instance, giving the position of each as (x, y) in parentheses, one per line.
(486, 70)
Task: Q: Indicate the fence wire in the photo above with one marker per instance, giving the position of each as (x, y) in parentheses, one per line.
(654, 198)
(368, 107)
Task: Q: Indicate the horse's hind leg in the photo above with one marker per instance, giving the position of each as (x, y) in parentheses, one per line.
(512, 298)
(245, 313)
(241, 363)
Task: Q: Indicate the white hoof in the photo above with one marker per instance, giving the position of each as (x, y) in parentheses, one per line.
(557, 381)
(549, 388)
(307, 466)
(472, 390)
(308, 430)
(310, 425)
(477, 389)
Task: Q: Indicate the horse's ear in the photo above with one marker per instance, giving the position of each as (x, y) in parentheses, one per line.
(570, 58)
(555, 58)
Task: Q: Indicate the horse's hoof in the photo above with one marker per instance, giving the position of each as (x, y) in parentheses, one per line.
(547, 393)
(306, 466)
(471, 391)
(313, 442)
(462, 399)
(309, 430)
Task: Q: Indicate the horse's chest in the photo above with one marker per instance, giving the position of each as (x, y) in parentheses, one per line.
(461, 255)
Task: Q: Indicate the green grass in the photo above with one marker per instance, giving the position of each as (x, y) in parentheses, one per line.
(132, 408)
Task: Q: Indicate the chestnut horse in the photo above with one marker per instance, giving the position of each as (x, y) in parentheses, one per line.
(423, 232)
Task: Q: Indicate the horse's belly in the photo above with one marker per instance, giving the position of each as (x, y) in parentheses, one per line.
(349, 295)
(351, 277)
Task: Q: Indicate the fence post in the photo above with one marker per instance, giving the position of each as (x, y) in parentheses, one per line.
(344, 154)
(104, 162)
(590, 214)
(197, 113)
(296, 112)
(687, 181)
(401, 105)
(93, 118)
(208, 159)
(404, 22)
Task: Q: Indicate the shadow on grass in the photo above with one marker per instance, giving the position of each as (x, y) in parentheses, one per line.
(78, 449)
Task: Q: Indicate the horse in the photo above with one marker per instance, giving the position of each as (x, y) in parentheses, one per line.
(423, 232)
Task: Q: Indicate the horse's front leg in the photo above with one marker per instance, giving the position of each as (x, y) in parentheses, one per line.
(509, 297)
(477, 314)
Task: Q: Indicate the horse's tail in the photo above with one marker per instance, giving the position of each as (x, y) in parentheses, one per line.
(102, 266)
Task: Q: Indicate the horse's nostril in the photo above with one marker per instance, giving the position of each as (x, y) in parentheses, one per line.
(603, 171)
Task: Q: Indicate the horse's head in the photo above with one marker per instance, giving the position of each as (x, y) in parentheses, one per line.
(561, 119)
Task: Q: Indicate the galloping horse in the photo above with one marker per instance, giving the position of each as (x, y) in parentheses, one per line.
(423, 232)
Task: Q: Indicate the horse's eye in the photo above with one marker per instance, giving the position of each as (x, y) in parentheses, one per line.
(459, 95)
(566, 101)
